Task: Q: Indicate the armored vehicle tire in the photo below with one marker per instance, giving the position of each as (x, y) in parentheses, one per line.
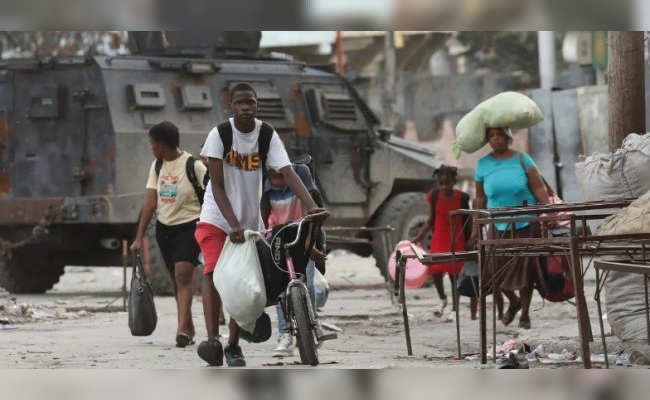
(29, 271)
(159, 277)
(406, 213)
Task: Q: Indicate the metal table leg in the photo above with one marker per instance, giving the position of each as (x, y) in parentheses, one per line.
(584, 325)
(401, 274)
(647, 313)
(482, 314)
(600, 314)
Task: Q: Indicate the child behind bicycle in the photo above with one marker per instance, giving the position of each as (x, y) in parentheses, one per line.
(279, 205)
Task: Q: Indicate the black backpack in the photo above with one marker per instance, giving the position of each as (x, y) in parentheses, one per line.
(263, 141)
(191, 175)
(225, 133)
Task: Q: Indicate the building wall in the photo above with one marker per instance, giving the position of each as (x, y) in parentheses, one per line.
(576, 123)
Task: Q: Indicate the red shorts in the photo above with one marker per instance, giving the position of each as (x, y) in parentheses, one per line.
(211, 240)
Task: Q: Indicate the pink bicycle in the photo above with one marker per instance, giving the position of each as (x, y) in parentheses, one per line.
(288, 249)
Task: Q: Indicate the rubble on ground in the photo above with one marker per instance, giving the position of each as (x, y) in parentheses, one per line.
(14, 313)
(518, 354)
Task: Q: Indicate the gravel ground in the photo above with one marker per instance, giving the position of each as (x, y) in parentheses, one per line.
(79, 324)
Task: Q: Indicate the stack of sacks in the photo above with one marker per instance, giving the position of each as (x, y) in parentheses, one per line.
(621, 174)
(632, 219)
(625, 292)
(507, 109)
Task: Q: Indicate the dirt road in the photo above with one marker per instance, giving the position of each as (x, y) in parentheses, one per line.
(60, 334)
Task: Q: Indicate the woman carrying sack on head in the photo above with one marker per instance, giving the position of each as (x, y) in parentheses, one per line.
(508, 178)
(172, 196)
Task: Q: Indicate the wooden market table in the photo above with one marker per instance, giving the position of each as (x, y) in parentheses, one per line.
(575, 243)
(621, 264)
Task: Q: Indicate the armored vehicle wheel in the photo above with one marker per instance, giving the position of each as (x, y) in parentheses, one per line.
(159, 277)
(30, 271)
(406, 213)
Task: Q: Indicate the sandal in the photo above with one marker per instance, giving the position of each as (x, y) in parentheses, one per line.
(509, 316)
(183, 340)
(524, 322)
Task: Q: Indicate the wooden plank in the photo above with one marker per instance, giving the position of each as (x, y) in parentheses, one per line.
(624, 266)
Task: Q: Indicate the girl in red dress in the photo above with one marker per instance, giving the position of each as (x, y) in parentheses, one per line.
(444, 200)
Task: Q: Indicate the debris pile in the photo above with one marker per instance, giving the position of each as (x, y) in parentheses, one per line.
(515, 354)
(14, 313)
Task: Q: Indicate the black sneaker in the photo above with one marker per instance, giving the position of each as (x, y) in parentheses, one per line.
(261, 332)
(211, 352)
(234, 356)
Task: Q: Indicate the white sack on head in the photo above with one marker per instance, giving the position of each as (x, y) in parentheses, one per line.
(508, 109)
(511, 109)
(470, 133)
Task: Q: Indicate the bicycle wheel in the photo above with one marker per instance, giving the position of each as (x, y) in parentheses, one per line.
(305, 336)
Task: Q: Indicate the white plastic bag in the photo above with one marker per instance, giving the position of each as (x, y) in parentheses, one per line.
(238, 279)
(321, 289)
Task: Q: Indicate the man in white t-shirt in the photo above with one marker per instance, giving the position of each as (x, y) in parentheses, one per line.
(232, 204)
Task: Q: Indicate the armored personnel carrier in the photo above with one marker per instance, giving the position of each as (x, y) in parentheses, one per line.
(74, 153)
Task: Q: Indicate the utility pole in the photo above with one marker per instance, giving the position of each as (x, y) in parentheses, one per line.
(546, 53)
(546, 49)
(389, 79)
(626, 85)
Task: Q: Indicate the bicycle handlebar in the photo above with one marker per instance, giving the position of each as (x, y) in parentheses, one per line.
(318, 213)
(307, 218)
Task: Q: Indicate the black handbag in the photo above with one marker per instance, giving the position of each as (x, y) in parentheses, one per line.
(467, 283)
(142, 310)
